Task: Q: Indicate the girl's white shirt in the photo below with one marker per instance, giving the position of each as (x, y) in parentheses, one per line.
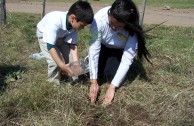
(101, 32)
(53, 26)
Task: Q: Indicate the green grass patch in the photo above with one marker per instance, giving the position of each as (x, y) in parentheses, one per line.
(160, 94)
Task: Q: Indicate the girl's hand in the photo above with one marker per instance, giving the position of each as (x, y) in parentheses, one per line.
(109, 95)
(94, 88)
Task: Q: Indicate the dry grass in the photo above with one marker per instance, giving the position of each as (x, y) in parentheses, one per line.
(161, 94)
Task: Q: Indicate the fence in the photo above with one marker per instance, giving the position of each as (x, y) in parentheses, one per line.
(141, 18)
(2, 12)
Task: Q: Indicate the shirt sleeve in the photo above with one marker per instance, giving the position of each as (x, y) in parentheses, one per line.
(94, 49)
(49, 46)
(50, 34)
(127, 59)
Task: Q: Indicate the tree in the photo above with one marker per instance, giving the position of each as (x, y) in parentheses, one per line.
(2, 12)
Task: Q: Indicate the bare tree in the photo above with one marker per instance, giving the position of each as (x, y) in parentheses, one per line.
(2, 12)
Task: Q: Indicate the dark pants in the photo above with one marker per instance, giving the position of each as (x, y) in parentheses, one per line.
(109, 60)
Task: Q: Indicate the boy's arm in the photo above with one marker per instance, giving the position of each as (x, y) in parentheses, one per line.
(59, 62)
(74, 52)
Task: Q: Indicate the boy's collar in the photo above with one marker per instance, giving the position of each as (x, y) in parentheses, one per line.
(68, 25)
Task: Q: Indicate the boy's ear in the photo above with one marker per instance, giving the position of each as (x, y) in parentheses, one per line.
(72, 17)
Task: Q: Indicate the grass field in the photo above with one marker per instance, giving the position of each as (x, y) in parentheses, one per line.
(161, 94)
(160, 3)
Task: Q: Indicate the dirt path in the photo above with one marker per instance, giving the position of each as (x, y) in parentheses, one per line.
(153, 15)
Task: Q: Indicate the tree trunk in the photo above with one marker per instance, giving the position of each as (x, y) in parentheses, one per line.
(2, 12)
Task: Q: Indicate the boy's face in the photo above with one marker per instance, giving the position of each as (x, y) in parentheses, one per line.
(76, 25)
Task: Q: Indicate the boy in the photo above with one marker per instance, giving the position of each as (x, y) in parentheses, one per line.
(57, 36)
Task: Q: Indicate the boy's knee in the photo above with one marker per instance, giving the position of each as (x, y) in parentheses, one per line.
(52, 65)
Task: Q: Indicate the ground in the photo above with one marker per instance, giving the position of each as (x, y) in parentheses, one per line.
(153, 15)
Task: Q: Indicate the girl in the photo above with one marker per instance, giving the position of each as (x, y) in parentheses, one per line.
(116, 38)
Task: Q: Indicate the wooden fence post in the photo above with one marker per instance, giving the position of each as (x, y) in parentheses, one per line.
(2, 13)
(43, 8)
(143, 12)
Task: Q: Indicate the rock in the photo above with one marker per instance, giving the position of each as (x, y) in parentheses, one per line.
(166, 7)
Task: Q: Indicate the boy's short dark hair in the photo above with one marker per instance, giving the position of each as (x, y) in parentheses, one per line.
(83, 11)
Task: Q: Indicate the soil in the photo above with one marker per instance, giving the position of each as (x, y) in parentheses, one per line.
(153, 15)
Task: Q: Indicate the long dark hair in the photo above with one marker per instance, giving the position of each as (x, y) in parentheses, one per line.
(125, 11)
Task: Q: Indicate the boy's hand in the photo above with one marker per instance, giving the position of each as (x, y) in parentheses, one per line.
(66, 70)
(77, 69)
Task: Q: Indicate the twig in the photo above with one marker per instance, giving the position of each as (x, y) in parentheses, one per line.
(155, 26)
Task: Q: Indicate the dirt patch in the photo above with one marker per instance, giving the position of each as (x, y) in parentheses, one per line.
(114, 115)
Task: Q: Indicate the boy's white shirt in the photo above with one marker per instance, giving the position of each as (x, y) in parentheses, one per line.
(120, 39)
(53, 26)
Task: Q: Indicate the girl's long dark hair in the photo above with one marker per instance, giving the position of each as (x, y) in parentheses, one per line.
(126, 11)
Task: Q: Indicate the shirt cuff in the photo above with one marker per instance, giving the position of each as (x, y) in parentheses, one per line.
(50, 46)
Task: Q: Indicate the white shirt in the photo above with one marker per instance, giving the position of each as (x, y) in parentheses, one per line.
(53, 26)
(120, 39)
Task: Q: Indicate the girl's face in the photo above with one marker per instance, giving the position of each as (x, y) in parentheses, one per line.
(114, 24)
